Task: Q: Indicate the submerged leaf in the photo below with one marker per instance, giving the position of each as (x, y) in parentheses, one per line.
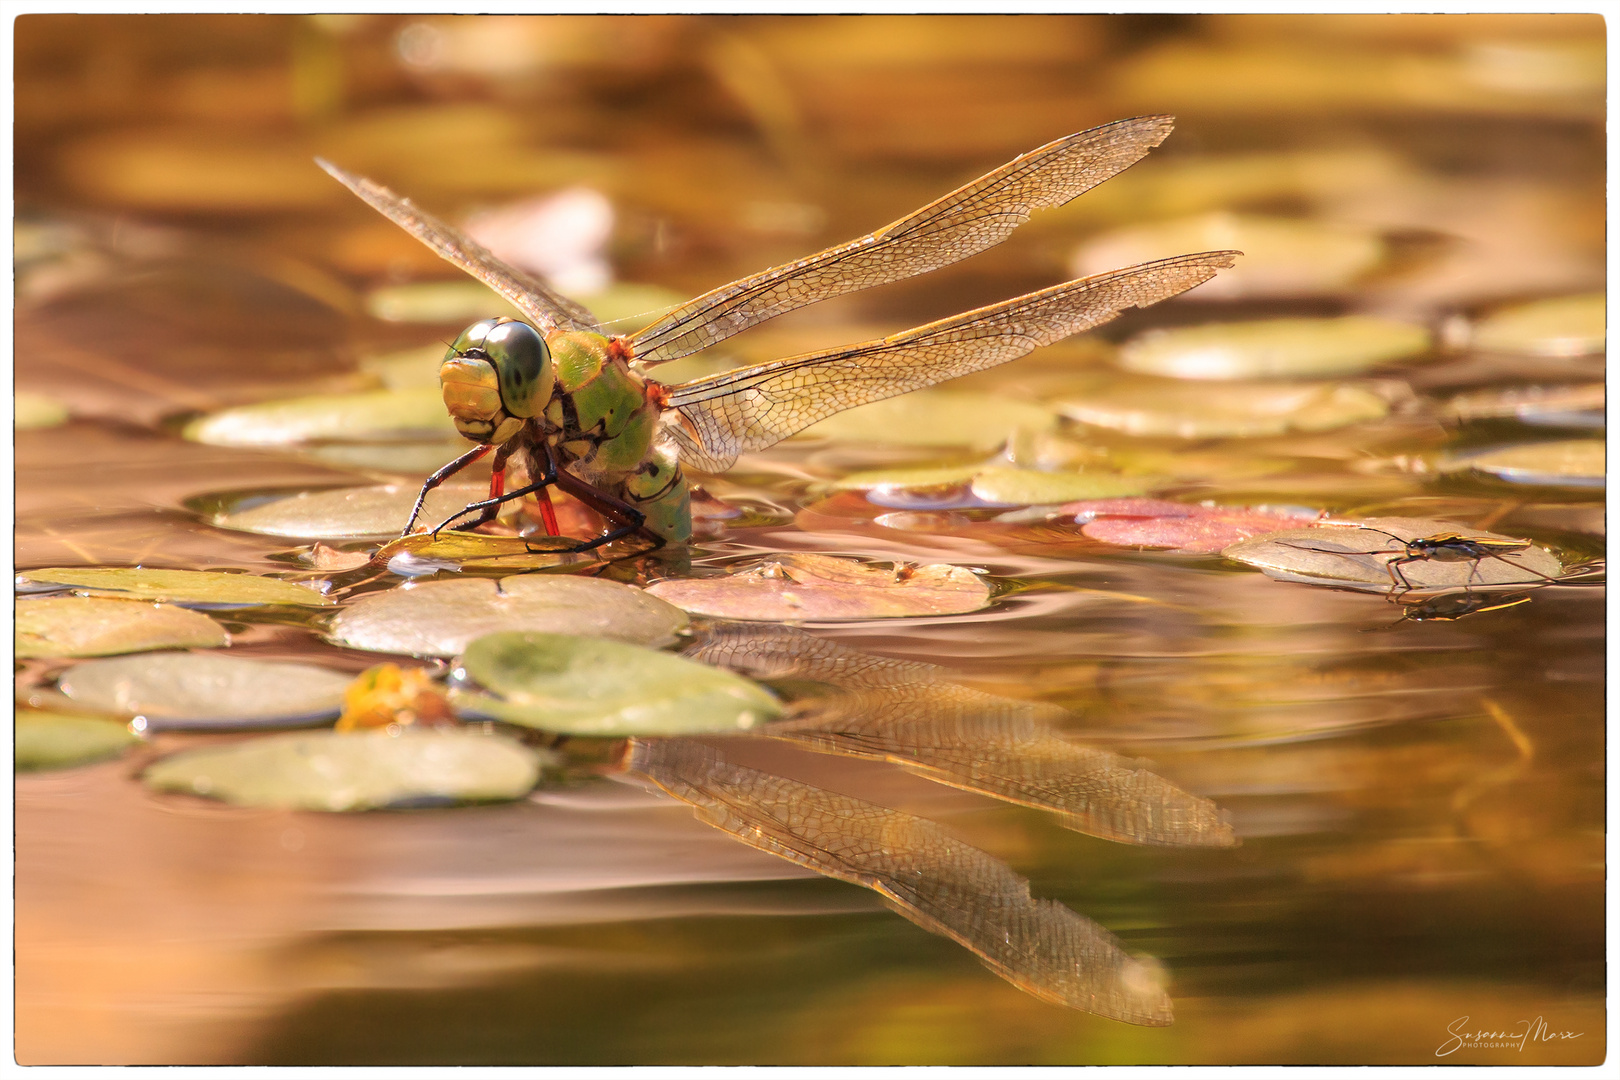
(52, 740)
(1272, 348)
(595, 687)
(935, 418)
(440, 618)
(793, 588)
(1359, 555)
(206, 690)
(349, 513)
(362, 771)
(1193, 410)
(372, 415)
(93, 626)
(1567, 463)
(179, 586)
(1561, 326)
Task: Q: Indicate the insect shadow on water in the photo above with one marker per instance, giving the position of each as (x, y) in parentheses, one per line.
(577, 408)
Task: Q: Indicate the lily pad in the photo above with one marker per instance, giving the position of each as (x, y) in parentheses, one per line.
(32, 411)
(820, 587)
(935, 418)
(1357, 555)
(1575, 405)
(920, 479)
(440, 618)
(202, 690)
(1027, 487)
(1567, 463)
(1188, 410)
(349, 513)
(408, 369)
(1271, 348)
(62, 626)
(1204, 531)
(368, 416)
(1562, 326)
(1090, 509)
(178, 586)
(370, 770)
(420, 554)
(1281, 256)
(52, 740)
(595, 687)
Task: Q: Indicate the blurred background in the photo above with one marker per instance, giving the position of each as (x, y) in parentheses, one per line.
(178, 252)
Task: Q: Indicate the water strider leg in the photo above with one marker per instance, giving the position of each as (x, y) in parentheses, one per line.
(440, 477)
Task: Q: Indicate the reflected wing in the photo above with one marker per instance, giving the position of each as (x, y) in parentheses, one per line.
(965, 222)
(752, 408)
(930, 877)
(542, 307)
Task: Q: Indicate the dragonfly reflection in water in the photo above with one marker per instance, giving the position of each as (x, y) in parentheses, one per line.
(912, 714)
(578, 410)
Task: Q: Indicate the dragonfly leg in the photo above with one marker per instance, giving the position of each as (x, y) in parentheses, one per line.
(487, 508)
(629, 518)
(440, 477)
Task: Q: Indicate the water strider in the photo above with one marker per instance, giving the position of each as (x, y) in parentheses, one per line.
(1444, 547)
(578, 409)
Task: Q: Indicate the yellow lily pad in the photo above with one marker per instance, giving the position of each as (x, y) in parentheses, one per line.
(1271, 348)
(178, 586)
(440, 618)
(372, 415)
(1578, 404)
(794, 588)
(53, 740)
(370, 770)
(923, 479)
(935, 418)
(591, 686)
(1568, 463)
(1176, 408)
(1561, 326)
(62, 626)
(1027, 487)
(421, 553)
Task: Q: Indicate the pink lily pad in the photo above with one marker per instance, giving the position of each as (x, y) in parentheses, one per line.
(1193, 530)
(795, 588)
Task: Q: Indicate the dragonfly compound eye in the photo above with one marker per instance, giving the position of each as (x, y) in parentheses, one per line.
(496, 374)
(523, 363)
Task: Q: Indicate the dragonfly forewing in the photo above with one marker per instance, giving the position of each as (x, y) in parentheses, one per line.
(970, 219)
(927, 875)
(723, 415)
(539, 304)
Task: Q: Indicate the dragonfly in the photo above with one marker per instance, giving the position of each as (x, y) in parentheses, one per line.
(578, 409)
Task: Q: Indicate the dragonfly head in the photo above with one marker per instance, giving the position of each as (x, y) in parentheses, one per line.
(497, 374)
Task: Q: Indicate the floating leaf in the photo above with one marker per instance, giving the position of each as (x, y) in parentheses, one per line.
(1026, 487)
(179, 586)
(1357, 555)
(1190, 410)
(595, 687)
(349, 513)
(1576, 405)
(205, 690)
(820, 587)
(32, 411)
(1089, 509)
(1272, 348)
(1562, 326)
(935, 418)
(424, 553)
(1281, 256)
(1567, 463)
(93, 626)
(52, 740)
(368, 416)
(1203, 531)
(388, 694)
(924, 479)
(440, 618)
(360, 771)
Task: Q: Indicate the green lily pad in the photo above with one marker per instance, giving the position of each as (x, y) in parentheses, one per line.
(371, 415)
(437, 302)
(1176, 408)
(1271, 348)
(793, 588)
(408, 369)
(52, 740)
(349, 513)
(178, 586)
(924, 479)
(591, 686)
(1562, 326)
(366, 770)
(934, 418)
(1281, 256)
(32, 411)
(194, 690)
(440, 618)
(61, 626)
(1566, 463)
(1357, 555)
(1575, 405)
(423, 553)
(1026, 487)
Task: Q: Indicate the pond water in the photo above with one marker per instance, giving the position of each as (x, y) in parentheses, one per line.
(1380, 808)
